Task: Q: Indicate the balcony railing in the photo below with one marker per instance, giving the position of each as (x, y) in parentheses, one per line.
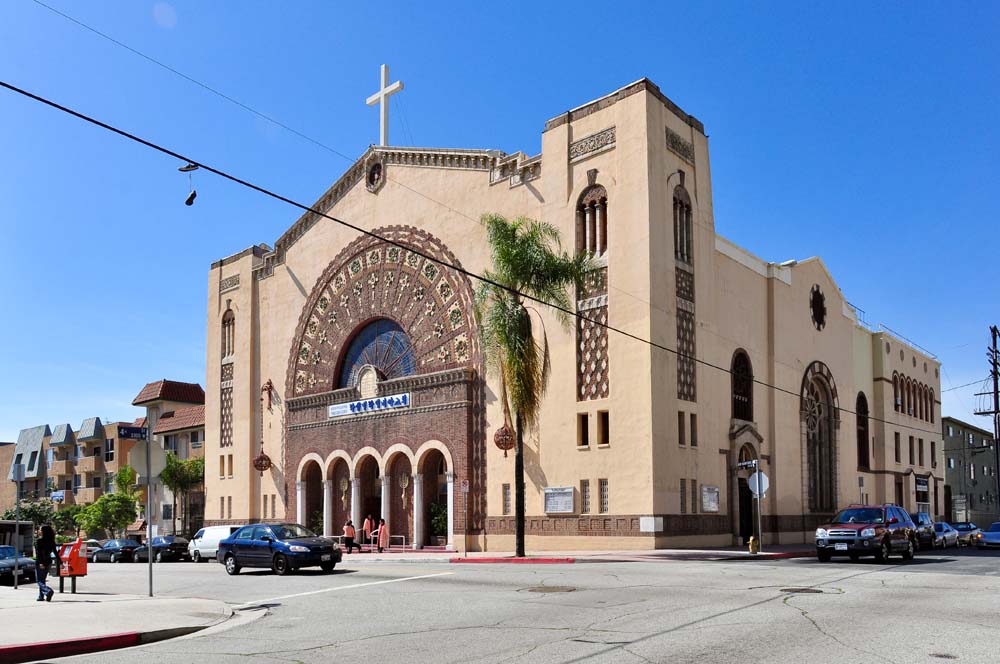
(63, 467)
(88, 495)
(90, 464)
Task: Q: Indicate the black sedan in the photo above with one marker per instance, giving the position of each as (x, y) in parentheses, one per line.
(26, 566)
(169, 547)
(283, 547)
(116, 551)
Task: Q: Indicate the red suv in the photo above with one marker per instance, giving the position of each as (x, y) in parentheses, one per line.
(867, 530)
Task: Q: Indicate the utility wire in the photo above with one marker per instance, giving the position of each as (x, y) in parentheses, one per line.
(958, 387)
(442, 263)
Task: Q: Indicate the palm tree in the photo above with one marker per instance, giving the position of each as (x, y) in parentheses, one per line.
(527, 263)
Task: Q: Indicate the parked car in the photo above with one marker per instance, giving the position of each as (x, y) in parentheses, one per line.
(990, 537)
(282, 547)
(25, 566)
(945, 535)
(205, 543)
(92, 546)
(116, 551)
(967, 532)
(925, 530)
(867, 530)
(168, 547)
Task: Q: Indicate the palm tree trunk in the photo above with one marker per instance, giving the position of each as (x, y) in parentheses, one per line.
(519, 490)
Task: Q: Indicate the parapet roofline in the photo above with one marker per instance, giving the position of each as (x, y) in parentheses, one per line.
(616, 96)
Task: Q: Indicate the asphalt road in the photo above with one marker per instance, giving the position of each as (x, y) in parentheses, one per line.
(939, 607)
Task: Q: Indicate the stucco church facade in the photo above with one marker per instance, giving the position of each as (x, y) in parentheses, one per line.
(346, 376)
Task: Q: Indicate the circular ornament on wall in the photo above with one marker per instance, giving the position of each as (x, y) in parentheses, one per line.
(817, 306)
(504, 439)
(262, 462)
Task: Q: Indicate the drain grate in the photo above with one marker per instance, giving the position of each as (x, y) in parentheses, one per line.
(942, 655)
(802, 591)
(549, 589)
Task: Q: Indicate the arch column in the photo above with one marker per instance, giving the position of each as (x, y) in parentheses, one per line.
(601, 228)
(418, 511)
(590, 229)
(300, 502)
(356, 503)
(386, 498)
(451, 510)
(327, 507)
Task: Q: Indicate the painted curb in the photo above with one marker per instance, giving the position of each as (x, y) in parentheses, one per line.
(516, 561)
(29, 652)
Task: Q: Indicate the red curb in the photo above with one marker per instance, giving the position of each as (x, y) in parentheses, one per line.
(27, 652)
(537, 561)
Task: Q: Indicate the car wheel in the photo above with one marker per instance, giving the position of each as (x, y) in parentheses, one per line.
(327, 567)
(280, 565)
(232, 569)
(113, 558)
(94, 558)
(159, 557)
(196, 557)
(908, 554)
(824, 556)
(882, 554)
(854, 557)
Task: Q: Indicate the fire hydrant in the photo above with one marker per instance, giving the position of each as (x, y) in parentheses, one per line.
(754, 544)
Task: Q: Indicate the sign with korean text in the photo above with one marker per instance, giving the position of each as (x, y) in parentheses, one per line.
(367, 406)
(559, 499)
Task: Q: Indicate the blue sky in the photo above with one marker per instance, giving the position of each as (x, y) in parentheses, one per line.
(866, 134)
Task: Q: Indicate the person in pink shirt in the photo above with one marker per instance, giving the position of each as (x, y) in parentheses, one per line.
(383, 535)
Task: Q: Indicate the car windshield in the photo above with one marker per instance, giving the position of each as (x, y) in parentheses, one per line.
(963, 526)
(939, 527)
(995, 528)
(6, 552)
(860, 515)
(291, 531)
(128, 543)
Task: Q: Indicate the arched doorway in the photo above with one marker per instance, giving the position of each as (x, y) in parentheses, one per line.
(744, 495)
(435, 525)
(340, 477)
(312, 509)
(370, 483)
(400, 474)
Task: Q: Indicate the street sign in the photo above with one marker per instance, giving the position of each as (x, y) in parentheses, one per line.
(58, 496)
(17, 473)
(137, 459)
(752, 463)
(465, 486)
(132, 433)
(758, 483)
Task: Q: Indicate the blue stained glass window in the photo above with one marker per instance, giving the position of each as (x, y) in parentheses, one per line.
(384, 345)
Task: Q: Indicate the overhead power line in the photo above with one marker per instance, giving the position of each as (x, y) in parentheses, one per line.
(443, 263)
(958, 387)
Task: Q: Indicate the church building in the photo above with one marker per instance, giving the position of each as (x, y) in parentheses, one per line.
(346, 375)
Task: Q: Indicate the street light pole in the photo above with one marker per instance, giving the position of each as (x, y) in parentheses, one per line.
(19, 478)
(149, 503)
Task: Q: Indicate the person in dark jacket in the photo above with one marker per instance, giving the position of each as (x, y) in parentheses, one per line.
(46, 555)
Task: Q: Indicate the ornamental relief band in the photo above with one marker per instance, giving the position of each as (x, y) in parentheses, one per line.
(229, 283)
(599, 141)
(680, 146)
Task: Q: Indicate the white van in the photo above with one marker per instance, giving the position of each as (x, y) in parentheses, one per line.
(205, 543)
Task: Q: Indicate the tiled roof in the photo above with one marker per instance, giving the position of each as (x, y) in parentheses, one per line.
(91, 429)
(170, 390)
(62, 435)
(139, 422)
(182, 418)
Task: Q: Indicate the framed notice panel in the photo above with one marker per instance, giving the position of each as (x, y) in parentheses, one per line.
(709, 498)
(559, 500)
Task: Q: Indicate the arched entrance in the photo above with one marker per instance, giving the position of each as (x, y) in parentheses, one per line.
(400, 475)
(312, 490)
(435, 524)
(370, 489)
(820, 426)
(744, 495)
(339, 475)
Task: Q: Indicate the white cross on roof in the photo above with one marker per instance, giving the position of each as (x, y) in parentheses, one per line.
(382, 98)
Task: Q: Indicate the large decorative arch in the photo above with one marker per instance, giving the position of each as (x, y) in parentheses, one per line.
(304, 461)
(368, 451)
(426, 447)
(381, 344)
(331, 461)
(592, 220)
(820, 425)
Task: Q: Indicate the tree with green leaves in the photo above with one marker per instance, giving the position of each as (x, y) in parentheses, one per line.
(112, 513)
(38, 512)
(125, 481)
(65, 519)
(182, 477)
(527, 260)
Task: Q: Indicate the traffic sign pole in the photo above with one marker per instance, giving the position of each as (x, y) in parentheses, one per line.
(760, 521)
(149, 503)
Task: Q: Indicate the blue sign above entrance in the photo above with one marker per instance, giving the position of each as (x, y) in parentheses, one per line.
(366, 406)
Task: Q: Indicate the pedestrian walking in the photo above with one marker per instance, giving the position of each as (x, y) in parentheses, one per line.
(366, 528)
(383, 535)
(46, 552)
(349, 534)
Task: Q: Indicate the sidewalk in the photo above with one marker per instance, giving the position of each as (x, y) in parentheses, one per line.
(397, 555)
(92, 622)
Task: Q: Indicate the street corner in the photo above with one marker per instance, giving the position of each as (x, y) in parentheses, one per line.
(96, 622)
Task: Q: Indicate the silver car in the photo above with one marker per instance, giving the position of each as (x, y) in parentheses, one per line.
(990, 538)
(944, 535)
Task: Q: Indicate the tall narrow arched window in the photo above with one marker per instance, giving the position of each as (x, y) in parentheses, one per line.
(896, 401)
(592, 221)
(228, 333)
(864, 461)
(931, 396)
(742, 377)
(923, 402)
(683, 235)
